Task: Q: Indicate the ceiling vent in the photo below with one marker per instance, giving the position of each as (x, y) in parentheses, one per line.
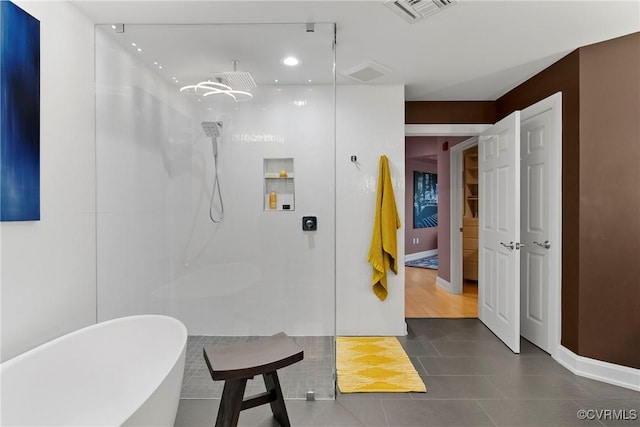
(366, 71)
(415, 10)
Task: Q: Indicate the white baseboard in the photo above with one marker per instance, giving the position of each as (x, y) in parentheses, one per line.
(418, 255)
(444, 284)
(610, 373)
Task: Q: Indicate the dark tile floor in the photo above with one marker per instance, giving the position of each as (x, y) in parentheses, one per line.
(472, 380)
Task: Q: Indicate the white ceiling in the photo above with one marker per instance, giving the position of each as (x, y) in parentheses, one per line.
(475, 50)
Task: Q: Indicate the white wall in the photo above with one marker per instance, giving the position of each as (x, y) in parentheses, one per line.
(49, 266)
(369, 123)
(256, 272)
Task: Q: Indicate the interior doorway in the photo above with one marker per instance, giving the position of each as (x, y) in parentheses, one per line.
(519, 273)
(427, 292)
(532, 298)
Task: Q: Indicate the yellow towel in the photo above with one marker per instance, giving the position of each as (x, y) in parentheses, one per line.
(383, 251)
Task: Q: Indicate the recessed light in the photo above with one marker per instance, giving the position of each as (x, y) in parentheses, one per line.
(133, 44)
(160, 66)
(276, 80)
(139, 50)
(309, 80)
(291, 61)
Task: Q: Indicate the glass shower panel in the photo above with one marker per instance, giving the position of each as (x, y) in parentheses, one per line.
(163, 177)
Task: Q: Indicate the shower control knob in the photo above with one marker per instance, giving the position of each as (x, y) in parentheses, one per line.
(309, 223)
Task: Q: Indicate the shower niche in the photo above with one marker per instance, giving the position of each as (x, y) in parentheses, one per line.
(279, 194)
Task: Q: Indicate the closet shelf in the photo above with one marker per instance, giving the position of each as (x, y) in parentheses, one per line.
(470, 215)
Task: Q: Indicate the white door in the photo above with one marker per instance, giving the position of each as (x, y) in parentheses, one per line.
(499, 230)
(536, 135)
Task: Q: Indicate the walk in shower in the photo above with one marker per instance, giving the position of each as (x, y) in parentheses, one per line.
(258, 270)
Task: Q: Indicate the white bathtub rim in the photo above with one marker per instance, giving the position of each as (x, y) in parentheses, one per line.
(8, 363)
(125, 416)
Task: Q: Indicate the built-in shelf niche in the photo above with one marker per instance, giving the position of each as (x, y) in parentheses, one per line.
(470, 217)
(279, 180)
(471, 183)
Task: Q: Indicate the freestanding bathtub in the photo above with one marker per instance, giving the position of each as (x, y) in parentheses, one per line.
(123, 372)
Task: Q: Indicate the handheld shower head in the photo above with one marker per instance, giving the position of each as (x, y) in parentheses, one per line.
(211, 129)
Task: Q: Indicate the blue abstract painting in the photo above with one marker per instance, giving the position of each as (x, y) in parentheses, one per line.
(425, 199)
(19, 114)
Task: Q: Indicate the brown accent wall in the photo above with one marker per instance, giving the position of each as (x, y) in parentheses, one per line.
(600, 194)
(561, 76)
(451, 112)
(609, 317)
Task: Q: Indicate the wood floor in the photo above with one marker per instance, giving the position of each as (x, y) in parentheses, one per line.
(423, 298)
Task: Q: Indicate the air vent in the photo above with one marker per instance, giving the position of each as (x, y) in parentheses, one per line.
(367, 71)
(415, 10)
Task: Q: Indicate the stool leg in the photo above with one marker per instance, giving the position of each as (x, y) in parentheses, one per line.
(231, 403)
(277, 405)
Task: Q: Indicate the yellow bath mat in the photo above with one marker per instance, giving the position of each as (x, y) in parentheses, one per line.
(375, 364)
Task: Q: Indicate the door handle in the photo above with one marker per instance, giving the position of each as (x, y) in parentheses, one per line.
(545, 245)
(510, 246)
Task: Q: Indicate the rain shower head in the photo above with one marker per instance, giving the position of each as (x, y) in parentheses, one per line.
(211, 129)
(231, 83)
(238, 80)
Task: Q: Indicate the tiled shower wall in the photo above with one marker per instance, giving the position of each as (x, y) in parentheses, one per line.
(255, 273)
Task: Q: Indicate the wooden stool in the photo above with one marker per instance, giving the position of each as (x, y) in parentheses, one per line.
(235, 364)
